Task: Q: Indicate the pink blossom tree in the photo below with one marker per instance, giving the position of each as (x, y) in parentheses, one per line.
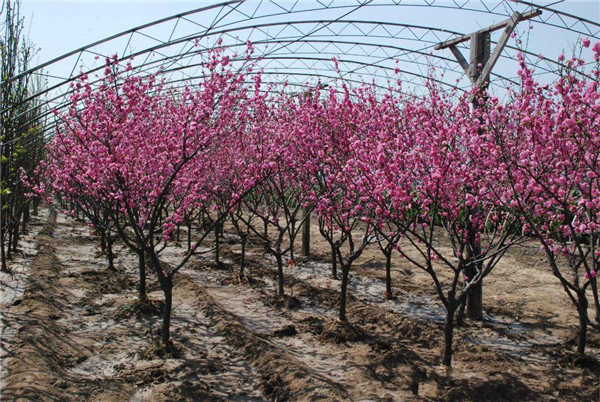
(153, 149)
(282, 142)
(424, 170)
(344, 125)
(549, 146)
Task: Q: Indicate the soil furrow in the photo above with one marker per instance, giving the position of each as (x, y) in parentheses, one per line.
(45, 349)
(81, 337)
(284, 377)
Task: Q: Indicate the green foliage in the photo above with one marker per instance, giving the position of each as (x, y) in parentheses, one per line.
(21, 132)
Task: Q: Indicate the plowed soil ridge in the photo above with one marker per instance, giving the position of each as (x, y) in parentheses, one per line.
(74, 336)
(44, 349)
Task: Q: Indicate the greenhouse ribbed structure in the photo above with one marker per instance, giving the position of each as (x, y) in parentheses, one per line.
(305, 200)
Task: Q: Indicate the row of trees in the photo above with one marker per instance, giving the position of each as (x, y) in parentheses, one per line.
(139, 159)
(21, 140)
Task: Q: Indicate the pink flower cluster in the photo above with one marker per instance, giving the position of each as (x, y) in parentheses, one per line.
(152, 154)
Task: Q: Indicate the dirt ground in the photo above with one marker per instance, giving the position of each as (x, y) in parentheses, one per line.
(71, 331)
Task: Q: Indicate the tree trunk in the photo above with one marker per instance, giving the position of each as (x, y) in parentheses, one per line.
(280, 290)
(388, 275)
(217, 247)
(25, 219)
(306, 233)
(594, 285)
(343, 293)
(167, 287)
(474, 265)
(333, 262)
(3, 252)
(109, 253)
(142, 284)
(8, 243)
(461, 312)
(582, 310)
(15, 239)
(448, 334)
(244, 238)
(266, 230)
(189, 236)
(475, 301)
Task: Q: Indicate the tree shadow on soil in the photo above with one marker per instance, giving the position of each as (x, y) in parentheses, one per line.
(506, 388)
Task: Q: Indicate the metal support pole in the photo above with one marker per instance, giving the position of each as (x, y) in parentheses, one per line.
(480, 54)
(478, 69)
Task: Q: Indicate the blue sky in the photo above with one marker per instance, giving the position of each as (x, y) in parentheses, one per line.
(57, 27)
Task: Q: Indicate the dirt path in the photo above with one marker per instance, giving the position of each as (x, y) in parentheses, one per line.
(44, 350)
(499, 358)
(72, 334)
(14, 284)
(77, 341)
(499, 332)
(282, 375)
